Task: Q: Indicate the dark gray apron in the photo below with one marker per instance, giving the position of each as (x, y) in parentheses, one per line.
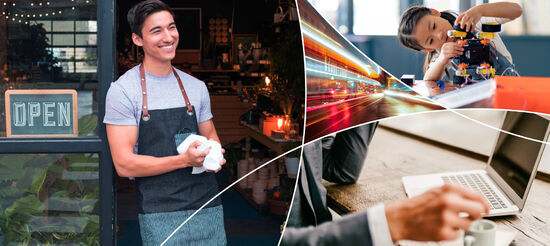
(165, 195)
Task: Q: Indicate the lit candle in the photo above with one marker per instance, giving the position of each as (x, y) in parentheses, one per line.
(267, 81)
(279, 124)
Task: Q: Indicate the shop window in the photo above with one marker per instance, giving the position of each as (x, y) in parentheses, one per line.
(50, 45)
(49, 199)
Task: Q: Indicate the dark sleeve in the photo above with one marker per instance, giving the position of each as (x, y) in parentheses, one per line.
(349, 230)
(344, 155)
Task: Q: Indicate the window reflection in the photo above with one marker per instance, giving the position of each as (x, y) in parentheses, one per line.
(49, 199)
(50, 45)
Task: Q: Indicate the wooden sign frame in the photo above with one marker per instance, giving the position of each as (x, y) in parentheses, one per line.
(73, 94)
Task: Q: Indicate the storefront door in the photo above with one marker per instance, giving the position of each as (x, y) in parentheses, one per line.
(56, 172)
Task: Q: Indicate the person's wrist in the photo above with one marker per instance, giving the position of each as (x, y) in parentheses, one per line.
(183, 161)
(481, 9)
(396, 224)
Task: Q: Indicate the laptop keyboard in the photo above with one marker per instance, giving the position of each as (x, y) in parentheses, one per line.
(476, 182)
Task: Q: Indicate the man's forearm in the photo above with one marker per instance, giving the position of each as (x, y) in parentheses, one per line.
(135, 165)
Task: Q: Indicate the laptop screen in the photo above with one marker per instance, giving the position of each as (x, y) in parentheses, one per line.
(514, 158)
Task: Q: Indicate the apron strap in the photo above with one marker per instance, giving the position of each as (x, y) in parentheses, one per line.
(145, 109)
(189, 106)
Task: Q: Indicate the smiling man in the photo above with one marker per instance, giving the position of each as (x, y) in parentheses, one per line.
(149, 109)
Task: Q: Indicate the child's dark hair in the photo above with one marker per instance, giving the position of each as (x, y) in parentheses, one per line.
(140, 12)
(408, 22)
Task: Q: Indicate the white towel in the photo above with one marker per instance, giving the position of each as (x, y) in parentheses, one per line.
(212, 160)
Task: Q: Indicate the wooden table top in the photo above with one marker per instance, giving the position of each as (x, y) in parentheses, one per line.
(392, 156)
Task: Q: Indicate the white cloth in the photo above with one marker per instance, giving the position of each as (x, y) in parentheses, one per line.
(212, 159)
(378, 226)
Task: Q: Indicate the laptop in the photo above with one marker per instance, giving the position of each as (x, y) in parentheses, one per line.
(510, 170)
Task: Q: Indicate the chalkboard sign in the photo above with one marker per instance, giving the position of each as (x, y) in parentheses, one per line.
(41, 113)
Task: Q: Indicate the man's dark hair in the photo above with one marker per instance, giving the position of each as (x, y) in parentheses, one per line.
(140, 12)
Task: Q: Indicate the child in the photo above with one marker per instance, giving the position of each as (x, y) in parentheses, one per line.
(425, 29)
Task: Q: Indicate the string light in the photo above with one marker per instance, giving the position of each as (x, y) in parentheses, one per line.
(60, 11)
(47, 3)
(13, 4)
(32, 4)
(72, 8)
(53, 13)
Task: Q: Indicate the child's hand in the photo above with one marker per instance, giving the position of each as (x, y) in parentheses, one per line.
(450, 50)
(470, 18)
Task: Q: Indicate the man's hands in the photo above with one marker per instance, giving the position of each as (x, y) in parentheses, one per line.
(195, 158)
(434, 215)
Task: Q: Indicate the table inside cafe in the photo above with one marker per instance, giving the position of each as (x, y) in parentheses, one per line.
(387, 163)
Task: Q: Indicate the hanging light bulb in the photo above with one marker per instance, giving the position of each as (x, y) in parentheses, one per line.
(47, 3)
(13, 4)
(60, 11)
(33, 15)
(32, 4)
(72, 8)
(26, 22)
(40, 15)
(53, 13)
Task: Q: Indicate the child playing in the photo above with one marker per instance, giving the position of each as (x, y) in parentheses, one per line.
(425, 29)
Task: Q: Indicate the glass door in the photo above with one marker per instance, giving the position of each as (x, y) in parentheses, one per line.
(56, 64)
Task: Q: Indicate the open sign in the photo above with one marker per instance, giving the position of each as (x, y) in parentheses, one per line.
(41, 113)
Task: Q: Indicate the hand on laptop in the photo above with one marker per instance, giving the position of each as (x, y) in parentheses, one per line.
(434, 215)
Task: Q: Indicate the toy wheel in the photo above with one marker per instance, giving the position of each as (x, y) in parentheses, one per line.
(490, 27)
(457, 27)
(459, 79)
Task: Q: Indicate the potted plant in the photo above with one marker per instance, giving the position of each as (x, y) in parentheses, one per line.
(209, 55)
(287, 71)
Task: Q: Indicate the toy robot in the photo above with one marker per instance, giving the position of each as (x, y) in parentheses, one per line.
(475, 63)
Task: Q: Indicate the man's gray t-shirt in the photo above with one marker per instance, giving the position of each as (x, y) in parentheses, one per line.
(124, 98)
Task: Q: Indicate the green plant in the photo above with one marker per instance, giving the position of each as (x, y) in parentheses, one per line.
(287, 70)
(25, 220)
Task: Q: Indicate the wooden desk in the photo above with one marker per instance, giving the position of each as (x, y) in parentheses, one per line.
(392, 156)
